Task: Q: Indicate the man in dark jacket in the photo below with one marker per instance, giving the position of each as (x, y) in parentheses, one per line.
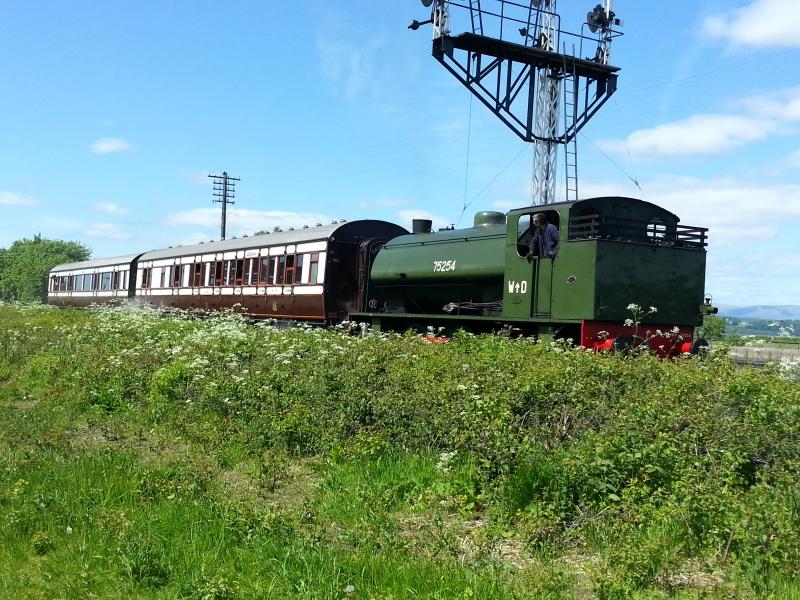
(544, 241)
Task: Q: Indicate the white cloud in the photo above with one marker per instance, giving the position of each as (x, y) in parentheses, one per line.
(759, 116)
(107, 231)
(406, 216)
(348, 56)
(699, 134)
(760, 24)
(110, 208)
(781, 105)
(14, 199)
(725, 206)
(109, 146)
(243, 221)
(384, 203)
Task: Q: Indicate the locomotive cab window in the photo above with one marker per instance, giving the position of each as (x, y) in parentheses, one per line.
(526, 228)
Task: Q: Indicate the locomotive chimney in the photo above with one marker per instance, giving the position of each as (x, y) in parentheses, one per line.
(421, 225)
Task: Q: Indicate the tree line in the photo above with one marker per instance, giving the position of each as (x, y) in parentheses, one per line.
(25, 264)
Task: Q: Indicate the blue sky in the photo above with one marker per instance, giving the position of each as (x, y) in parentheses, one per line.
(113, 113)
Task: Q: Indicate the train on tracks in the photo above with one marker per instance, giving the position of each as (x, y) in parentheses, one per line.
(612, 252)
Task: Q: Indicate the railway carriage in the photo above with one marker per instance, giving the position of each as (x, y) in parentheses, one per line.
(311, 274)
(92, 281)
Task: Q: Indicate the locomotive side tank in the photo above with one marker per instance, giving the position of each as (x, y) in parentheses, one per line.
(424, 271)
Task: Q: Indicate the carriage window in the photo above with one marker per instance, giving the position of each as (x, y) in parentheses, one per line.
(298, 268)
(105, 282)
(252, 271)
(115, 280)
(313, 268)
(289, 277)
(176, 276)
(239, 264)
(196, 274)
(273, 269)
(279, 269)
(146, 276)
(263, 270)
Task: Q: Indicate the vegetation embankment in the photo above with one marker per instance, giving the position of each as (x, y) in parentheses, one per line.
(25, 264)
(165, 457)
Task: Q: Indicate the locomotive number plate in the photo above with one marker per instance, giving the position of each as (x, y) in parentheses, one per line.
(444, 266)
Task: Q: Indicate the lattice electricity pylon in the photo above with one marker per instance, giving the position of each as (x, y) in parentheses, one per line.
(514, 60)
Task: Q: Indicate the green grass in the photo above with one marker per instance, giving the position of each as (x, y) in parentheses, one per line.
(165, 457)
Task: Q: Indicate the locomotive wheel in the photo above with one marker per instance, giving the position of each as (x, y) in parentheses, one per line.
(626, 344)
(699, 346)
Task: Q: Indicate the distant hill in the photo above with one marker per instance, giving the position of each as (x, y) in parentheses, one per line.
(762, 311)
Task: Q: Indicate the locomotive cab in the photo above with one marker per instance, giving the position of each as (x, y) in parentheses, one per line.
(613, 252)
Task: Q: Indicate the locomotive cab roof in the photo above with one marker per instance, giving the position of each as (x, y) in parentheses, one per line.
(606, 205)
(619, 219)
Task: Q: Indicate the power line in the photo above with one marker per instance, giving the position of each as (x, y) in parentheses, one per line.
(492, 180)
(613, 162)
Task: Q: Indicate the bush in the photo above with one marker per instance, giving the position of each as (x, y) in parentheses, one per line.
(656, 461)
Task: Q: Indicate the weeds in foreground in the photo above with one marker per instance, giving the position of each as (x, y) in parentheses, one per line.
(154, 456)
